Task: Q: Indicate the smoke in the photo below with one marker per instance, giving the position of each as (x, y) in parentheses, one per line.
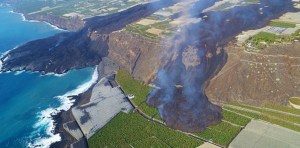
(197, 54)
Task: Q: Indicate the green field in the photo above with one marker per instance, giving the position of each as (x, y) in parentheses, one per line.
(142, 29)
(139, 90)
(283, 108)
(213, 133)
(282, 24)
(263, 39)
(271, 113)
(126, 130)
(132, 129)
(235, 118)
(281, 119)
(295, 101)
(222, 133)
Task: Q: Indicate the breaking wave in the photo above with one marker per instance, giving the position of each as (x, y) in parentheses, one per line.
(45, 121)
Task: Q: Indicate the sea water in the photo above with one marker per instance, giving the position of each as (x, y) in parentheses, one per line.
(27, 100)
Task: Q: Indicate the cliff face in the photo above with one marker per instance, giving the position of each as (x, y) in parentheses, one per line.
(71, 24)
(79, 49)
(139, 55)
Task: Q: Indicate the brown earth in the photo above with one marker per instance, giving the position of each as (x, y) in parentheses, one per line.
(270, 76)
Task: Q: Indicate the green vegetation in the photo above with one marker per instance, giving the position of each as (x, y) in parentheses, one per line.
(222, 133)
(264, 111)
(265, 37)
(283, 109)
(245, 106)
(215, 133)
(252, 1)
(126, 130)
(295, 100)
(139, 90)
(224, 6)
(296, 35)
(132, 86)
(141, 30)
(156, 17)
(262, 39)
(282, 24)
(281, 119)
(235, 118)
(164, 25)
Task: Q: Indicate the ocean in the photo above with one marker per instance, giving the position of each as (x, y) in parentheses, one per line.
(27, 100)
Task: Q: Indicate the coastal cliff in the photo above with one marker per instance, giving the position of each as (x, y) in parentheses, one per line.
(70, 24)
(138, 55)
(73, 50)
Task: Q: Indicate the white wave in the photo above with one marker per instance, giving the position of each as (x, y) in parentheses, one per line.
(36, 21)
(1, 62)
(1, 65)
(55, 74)
(45, 120)
(55, 27)
(19, 72)
(67, 103)
(45, 117)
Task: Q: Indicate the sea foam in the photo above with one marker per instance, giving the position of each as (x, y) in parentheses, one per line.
(45, 116)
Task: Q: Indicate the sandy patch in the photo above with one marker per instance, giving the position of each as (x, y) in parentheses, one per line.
(146, 22)
(291, 17)
(44, 9)
(73, 14)
(154, 31)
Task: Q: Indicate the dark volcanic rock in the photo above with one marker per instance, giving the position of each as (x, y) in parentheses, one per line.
(196, 56)
(184, 115)
(84, 48)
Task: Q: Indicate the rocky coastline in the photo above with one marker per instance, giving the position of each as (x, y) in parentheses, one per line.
(70, 24)
(88, 47)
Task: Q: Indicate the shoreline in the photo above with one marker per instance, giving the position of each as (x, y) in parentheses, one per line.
(25, 18)
(52, 117)
(66, 116)
(34, 21)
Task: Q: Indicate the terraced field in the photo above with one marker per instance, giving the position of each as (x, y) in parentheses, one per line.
(127, 130)
(139, 90)
(232, 123)
(279, 115)
(156, 30)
